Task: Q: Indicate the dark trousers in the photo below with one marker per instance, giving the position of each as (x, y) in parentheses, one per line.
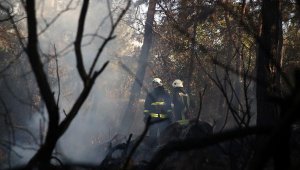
(156, 129)
(180, 114)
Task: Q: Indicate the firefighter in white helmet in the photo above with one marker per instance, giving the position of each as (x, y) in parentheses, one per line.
(158, 107)
(181, 102)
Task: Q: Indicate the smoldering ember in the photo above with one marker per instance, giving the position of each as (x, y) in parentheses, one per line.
(149, 84)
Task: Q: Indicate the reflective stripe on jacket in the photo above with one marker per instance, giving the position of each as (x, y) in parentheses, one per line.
(158, 103)
(157, 115)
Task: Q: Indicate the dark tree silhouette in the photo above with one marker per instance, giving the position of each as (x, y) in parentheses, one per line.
(56, 129)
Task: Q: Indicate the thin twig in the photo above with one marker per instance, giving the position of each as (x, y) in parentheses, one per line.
(109, 37)
(110, 12)
(48, 24)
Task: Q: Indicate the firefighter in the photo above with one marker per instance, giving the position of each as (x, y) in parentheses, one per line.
(181, 102)
(158, 107)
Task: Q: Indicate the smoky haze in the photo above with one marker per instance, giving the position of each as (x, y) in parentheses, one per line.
(98, 119)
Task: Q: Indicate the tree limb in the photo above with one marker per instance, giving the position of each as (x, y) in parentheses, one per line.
(78, 40)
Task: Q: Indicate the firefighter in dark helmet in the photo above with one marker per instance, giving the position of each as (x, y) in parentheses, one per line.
(181, 102)
(158, 107)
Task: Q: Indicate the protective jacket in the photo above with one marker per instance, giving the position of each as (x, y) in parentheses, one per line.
(158, 104)
(181, 102)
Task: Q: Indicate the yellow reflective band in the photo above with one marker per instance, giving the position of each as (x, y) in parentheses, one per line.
(183, 122)
(158, 103)
(146, 111)
(156, 115)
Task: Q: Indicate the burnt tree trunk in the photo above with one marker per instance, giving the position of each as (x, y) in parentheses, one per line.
(140, 73)
(268, 63)
(268, 77)
(44, 153)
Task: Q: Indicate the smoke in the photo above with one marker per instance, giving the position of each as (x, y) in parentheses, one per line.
(98, 119)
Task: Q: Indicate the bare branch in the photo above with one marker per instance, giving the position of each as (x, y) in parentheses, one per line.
(7, 146)
(97, 30)
(109, 37)
(43, 84)
(80, 100)
(249, 29)
(78, 40)
(37, 66)
(27, 131)
(48, 24)
(21, 146)
(225, 121)
(218, 83)
(97, 73)
(110, 12)
(57, 75)
(90, 79)
(93, 35)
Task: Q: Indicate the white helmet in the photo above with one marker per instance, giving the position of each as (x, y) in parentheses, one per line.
(177, 83)
(157, 81)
